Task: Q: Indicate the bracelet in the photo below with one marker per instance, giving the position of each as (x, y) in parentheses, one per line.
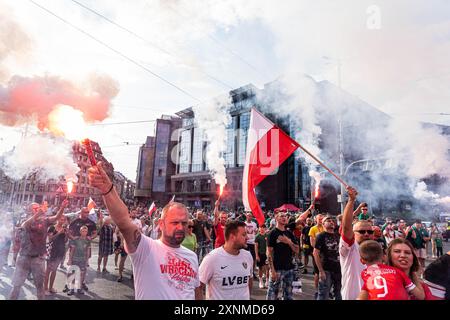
(112, 186)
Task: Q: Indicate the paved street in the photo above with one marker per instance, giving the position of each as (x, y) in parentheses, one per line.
(101, 286)
(105, 286)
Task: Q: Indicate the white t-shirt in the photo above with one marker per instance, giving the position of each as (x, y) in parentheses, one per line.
(226, 276)
(137, 223)
(164, 273)
(351, 268)
(251, 229)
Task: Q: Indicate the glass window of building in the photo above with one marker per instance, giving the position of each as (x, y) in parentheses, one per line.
(185, 151)
(229, 154)
(244, 123)
(197, 150)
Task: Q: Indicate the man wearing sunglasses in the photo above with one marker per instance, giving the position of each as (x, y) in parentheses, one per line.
(352, 235)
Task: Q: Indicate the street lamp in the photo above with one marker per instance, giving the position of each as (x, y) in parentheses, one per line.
(344, 174)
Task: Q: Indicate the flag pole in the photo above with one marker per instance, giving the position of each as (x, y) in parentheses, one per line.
(309, 153)
(324, 166)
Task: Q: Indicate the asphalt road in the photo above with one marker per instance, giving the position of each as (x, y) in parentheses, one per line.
(105, 286)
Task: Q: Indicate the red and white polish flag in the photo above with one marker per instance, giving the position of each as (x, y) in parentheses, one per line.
(267, 148)
(91, 204)
(152, 209)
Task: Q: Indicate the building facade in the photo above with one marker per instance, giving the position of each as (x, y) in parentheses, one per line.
(156, 163)
(124, 187)
(193, 184)
(33, 189)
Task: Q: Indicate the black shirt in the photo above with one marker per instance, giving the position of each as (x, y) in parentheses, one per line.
(76, 224)
(328, 244)
(199, 230)
(58, 244)
(438, 272)
(282, 253)
(305, 232)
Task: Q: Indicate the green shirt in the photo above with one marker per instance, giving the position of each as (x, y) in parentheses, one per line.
(363, 216)
(81, 246)
(261, 240)
(438, 242)
(190, 242)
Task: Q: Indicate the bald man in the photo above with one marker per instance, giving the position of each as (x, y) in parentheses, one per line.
(352, 235)
(163, 269)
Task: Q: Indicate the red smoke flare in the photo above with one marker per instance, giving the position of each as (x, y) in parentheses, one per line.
(38, 96)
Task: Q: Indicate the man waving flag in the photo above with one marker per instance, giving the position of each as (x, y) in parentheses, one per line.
(267, 148)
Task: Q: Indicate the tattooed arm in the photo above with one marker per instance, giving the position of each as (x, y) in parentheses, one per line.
(117, 209)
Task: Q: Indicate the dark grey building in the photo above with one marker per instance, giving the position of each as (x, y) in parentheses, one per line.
(156, 163)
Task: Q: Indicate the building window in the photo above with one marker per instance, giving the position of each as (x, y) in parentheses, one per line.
(244, 122)
(197, 150)
(190, 186)
(185, 151)
(178, 186)
(229, 154)
(160, 172)
(205, 185)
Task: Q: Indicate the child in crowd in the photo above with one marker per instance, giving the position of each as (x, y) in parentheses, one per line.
(382, 282)
(79, 254)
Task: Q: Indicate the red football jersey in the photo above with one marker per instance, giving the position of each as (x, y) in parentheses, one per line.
(220, 235)
(383, 282)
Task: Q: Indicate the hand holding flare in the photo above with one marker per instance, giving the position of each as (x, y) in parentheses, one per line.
(87, 144)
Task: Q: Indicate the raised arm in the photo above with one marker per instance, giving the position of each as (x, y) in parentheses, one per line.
(306, 214)
(216, 213)
(117, 209)
(33, 218)
(347, 219)
(60, 212)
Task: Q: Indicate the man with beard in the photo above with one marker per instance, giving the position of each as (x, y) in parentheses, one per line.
(163, 269)
(227, 271)
(352, 235)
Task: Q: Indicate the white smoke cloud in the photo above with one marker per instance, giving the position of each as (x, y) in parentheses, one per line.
(422, 193)
(49, 157)
(423, 151)
(6, 227)
(213, 119)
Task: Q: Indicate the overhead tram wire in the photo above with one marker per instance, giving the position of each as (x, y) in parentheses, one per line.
(218, 43)
(117, 52)
(149, 43)
(120, 123)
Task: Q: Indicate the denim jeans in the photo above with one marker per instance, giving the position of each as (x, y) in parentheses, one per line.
(203, 248)
(285, 278)
(332, 279)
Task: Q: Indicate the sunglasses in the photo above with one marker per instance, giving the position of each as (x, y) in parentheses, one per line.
(364, 231)
(191, 227)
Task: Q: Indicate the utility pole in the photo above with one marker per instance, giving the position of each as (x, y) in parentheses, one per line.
(24, 136)
(341, 142)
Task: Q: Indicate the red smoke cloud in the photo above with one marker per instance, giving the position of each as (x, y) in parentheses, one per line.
(25, 98)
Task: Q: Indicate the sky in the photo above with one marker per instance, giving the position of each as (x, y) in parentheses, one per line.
(168, 55)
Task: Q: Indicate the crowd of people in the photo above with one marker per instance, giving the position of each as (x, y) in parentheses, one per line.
(218, 255)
